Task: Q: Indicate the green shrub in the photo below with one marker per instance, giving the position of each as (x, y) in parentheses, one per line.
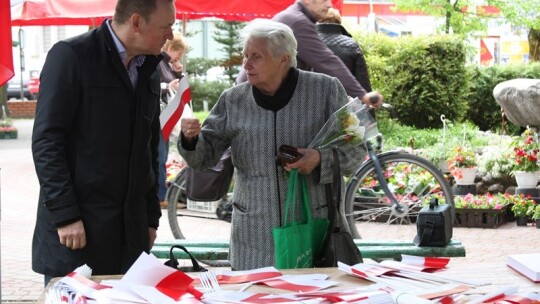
(423, 77)
(198, 66)
(484, 110)
(206, 90)
(430, 79)
(396, 135)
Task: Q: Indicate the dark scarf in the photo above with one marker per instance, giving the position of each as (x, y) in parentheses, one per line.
(282, 96)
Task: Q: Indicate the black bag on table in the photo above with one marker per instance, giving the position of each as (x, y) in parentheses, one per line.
(339, 245)
(434, 225)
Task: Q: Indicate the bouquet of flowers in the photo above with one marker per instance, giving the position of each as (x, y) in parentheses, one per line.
(351, 124)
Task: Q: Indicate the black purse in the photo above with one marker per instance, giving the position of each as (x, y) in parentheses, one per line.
(434, 225)
(339, 245)
(173, 262)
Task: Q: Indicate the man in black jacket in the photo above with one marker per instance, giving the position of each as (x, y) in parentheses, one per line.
(95, 143)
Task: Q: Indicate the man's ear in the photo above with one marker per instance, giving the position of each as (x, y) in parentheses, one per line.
(135, 22)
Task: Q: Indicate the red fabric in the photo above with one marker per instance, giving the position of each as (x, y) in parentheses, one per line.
(172, 113)
(485, 54)
(176, 285)
(437, 263)
(92, 12)
(6, 54)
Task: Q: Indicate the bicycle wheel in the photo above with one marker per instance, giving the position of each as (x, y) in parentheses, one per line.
(192, 224)
(413, 182)
(176, 196)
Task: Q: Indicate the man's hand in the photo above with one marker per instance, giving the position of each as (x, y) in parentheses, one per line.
(73, 235)
(307, 163)
(374, 99)
(152, 235)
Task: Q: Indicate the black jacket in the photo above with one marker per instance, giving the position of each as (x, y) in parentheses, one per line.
(94, 145)
(336, 37)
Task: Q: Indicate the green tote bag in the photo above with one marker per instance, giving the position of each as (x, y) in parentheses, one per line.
(297, 243)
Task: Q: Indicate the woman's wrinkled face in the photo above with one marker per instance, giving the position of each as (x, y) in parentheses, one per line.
(263, 70)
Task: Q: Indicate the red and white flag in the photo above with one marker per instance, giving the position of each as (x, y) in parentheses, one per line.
(172, 113)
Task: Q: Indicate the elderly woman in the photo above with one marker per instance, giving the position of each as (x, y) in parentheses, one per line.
(278, 105)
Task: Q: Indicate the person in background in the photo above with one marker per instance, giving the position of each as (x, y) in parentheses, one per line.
(95, 143)
(336, 37)
(313, 54)
(170, 73)
(279, 104)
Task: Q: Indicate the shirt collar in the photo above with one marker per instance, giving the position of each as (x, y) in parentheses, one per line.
(138, 60)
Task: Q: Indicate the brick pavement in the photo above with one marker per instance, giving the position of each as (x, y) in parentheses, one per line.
(19, 192)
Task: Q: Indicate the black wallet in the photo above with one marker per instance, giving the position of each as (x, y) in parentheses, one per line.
(288, 154)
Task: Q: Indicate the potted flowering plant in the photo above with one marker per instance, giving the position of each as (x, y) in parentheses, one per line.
(534, 213)
(482, 211)
(462, 164)
(488, 201)
(520, 208)
(525, 159)
(7, 130)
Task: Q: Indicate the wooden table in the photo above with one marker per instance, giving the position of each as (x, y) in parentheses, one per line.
(498, 275)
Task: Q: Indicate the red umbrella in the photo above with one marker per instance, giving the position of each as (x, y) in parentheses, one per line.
(49, 12)
(6, 55)
(92, 12)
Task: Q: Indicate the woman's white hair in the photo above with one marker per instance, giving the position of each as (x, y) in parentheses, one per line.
(279, 37)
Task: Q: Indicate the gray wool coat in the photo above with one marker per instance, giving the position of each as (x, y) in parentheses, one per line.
(255, 135)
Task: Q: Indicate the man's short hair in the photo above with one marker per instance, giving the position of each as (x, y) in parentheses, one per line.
(125, 8)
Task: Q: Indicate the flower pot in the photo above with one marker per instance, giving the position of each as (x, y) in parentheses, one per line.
(443, 165)
(465, 176)
(526, 179)
(521, 220)
(537, 223)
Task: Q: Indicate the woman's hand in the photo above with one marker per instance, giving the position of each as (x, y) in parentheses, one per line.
(373, 99)
(177, 66)
(174, 84)
(191, 127)
(307, 163)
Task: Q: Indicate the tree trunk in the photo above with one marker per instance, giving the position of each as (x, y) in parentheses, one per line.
(534, 45)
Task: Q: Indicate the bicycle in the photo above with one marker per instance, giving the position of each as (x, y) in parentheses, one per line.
(385, 193)
(388, 190)
(192, 207)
